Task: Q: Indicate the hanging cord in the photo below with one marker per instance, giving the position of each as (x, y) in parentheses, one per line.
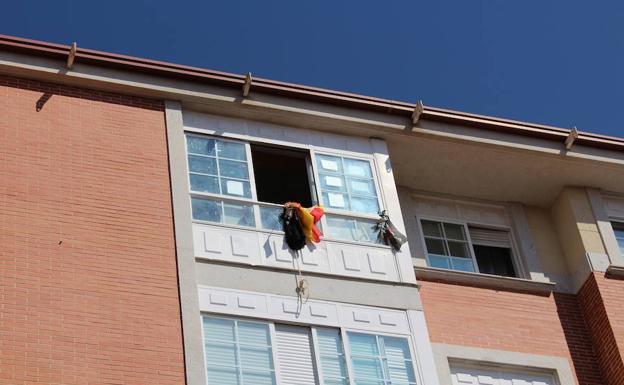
(303, 287)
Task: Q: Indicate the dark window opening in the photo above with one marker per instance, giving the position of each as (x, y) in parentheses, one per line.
(494, 260)
(282, 175)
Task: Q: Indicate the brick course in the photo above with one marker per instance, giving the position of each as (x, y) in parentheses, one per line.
(520, 322)
(88, 285)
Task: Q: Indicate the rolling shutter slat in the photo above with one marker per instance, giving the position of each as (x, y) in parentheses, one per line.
(489, 237)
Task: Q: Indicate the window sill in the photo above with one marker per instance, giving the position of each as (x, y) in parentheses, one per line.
(615, 271)
(483, 280)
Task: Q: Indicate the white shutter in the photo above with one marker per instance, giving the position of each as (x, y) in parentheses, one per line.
(489, 237)
(294, 353)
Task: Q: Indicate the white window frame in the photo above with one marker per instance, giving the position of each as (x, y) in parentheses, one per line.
(315, 186)
(466, 225)
(315, 347)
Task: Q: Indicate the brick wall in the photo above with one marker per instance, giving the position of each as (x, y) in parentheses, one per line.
(602, 302)
(88, 286)
(520, 322)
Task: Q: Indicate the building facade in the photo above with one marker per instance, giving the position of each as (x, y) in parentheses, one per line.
(143, 243)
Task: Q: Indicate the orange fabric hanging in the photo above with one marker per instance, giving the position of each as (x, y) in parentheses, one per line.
(309, 218)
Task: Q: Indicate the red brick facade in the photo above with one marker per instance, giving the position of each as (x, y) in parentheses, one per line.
(520, 322)
(88, 289)
(602, 301)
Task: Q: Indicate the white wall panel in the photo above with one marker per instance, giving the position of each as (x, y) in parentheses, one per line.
(328, 257)
(481, 376)
(313, 312)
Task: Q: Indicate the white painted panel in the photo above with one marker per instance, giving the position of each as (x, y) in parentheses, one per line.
(362, 261)
(477, 213)
(262, 248)
(313, 312)
(273, 133)
(484, 376)
(294, 355)
(226, 244)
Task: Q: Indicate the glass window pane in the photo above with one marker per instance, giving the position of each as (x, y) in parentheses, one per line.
(436, 246)
(202, 164)
(256, 357)
(329, 163)
(221, 354)
(340, 228)
(199, 145)
(336, 200)
(440, 262)
(431, 228)
(618, 229)
(217, 329)
(462, 264)
(253, 333)
(365, 368)
(358, 168)
(332, 183)
(363, 344)
(238, 214)
(362, 187)
(258, 378)
(459, 249)
(332, 357)
(334, 367)
(367, 231)
(365, 205)
(271, 218)
(235, 188)
(398, 360)
(232, 169)
(454, 231)
(231, 150)
(206, 210)
(218, 375)
(204, 183)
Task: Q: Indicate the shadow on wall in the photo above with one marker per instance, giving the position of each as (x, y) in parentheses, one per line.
(42, 101)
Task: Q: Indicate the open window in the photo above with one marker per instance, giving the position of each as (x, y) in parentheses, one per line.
(486, 250)
(239, 183)
(492, 249)
(282, 175)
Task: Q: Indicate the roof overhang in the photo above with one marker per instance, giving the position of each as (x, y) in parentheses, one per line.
(304, 93)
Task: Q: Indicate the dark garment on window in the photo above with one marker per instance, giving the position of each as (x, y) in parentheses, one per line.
(293, 231)
(389, 233)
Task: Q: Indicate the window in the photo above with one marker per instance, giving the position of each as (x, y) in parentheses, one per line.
(282, 175)
(618, 228)
(488, 251)
(263, 353)
(236, 183)
(238, 352)
(347, 184)
(380, 360)
(492, 249)
(447, 246)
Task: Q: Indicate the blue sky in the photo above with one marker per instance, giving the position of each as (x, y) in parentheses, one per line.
(552, 62)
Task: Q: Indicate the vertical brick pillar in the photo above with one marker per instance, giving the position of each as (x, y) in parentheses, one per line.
(602, 303)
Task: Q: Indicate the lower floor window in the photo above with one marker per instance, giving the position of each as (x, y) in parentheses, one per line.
(241, 352)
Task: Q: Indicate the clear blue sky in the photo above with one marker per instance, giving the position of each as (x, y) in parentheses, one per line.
(556, 62)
